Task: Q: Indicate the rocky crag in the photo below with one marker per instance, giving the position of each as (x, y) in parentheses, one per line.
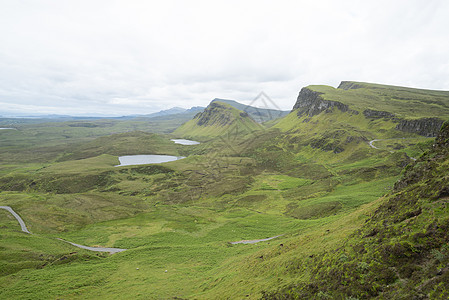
(311, 102)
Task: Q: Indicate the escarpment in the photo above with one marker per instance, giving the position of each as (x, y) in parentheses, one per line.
(412, 110)
(311, 103)
(425, 126)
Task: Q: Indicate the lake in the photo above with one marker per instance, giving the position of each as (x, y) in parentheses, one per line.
(130, 160)
(7, 128)
(185, 142)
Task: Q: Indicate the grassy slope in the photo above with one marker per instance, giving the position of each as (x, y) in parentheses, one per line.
(401, 252)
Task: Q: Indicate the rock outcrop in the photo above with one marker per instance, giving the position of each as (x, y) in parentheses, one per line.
(442, 140)
(377, 114)
(311, 103)
(425, 126)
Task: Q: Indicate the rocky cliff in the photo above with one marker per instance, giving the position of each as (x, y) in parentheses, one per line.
(425, 126)
(311, 103)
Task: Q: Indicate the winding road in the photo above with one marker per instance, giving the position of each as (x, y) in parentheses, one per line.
(255, 241)
(114, 250)
(371, 144)
(18, 218)
(98, 249)
(24, 229)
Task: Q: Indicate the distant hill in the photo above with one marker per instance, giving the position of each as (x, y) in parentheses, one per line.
(217, 119)
(174, 111)
(171, 111)
(260, 115)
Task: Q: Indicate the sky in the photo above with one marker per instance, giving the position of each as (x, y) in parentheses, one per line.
(127, 57)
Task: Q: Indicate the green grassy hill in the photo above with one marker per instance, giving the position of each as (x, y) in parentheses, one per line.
(218, 119)
(402, 250)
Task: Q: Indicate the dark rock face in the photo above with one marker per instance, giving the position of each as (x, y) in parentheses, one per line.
(425, 171)
(311, 103)
(425, 126)
(376, 114)
(442, 141)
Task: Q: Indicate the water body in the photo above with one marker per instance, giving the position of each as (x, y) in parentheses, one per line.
(185, 142)
(8, 128)
(130, 160)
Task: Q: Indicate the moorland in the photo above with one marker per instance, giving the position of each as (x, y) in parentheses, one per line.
(351, 186)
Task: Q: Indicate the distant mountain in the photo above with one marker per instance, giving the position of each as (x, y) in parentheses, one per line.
(260, 115)
(174, 111)
(218, 119)
(171, 111)
(195, 109)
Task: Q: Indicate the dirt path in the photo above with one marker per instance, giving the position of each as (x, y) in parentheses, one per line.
(115, 250)
(255, 241)
(21, 222)
(371, 144)
(98, 249)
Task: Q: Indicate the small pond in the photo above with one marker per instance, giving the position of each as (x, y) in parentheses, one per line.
(130, 160)
(185, 142)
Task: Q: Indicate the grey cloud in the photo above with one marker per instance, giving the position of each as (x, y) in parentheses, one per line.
(128, 57)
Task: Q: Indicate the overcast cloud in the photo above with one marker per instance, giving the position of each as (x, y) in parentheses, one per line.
(136, 57)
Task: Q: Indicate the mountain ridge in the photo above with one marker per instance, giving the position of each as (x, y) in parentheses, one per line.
(377, 101)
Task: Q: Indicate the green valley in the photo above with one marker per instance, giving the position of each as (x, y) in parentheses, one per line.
(351, 182)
